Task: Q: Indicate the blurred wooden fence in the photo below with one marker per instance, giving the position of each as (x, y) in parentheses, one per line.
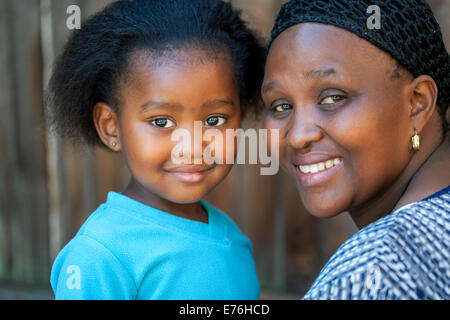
(48, 188)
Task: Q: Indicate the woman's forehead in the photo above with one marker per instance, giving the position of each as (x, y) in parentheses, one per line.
(324, 49)
(328, 40)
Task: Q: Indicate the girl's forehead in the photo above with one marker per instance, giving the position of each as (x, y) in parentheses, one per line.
(187, 56)
(189, 78)
(172, 65)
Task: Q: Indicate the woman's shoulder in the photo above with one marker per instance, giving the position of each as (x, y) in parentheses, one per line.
(420, 218)
(407, 249)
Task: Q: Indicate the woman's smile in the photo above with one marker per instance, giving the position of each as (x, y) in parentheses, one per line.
(316, 169)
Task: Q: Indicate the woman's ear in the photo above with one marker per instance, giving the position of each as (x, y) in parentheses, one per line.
(106, 123)
(423, 99)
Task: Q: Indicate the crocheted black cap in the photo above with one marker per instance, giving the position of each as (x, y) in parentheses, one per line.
(409, 32)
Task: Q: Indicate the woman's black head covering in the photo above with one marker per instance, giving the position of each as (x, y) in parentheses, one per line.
(408, 31)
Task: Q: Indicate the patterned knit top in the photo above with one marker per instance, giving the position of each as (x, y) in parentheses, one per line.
(405, 255)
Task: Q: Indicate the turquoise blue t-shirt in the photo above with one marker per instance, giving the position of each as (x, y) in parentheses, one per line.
(127, 250)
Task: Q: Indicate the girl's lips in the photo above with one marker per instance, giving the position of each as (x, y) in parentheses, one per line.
(316, 174)
(189, 177)
(190, 173)
(190, 168)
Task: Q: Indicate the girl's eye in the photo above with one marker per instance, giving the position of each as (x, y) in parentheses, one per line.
(215, 121)
(332, 99)
(282, 107)
(163, 123)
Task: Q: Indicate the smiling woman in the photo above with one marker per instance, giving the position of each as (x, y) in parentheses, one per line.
(362, 120)
(326, 97)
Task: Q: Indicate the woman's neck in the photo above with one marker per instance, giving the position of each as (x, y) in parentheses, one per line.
(426, 173)
(432, 177)
(191, 211)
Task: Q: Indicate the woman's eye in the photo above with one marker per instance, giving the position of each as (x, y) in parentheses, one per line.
(215, 121)
(163, 123)
(282, 107)
(332, 99)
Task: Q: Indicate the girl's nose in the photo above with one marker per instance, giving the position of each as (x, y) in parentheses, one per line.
(196, 145)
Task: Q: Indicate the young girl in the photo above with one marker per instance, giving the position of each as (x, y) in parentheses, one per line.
(133, 74)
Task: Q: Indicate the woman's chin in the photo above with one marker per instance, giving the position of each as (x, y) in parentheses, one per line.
(324, 215)
(320, 208)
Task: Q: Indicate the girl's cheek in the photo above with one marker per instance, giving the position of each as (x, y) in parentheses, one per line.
(224, 148)
(148, 149)
(230, 142)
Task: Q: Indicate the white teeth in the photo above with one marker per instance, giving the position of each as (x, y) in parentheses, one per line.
(304, 169)
(320, 166)
(329, 164)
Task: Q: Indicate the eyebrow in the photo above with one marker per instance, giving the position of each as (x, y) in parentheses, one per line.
(269, 86)
(217, 102)
(152, 104)
(320, 73)
(309, 75)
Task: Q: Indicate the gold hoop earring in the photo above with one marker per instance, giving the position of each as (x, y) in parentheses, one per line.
(415, 140)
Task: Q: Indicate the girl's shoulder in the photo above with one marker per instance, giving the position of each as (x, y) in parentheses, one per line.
(220, 217)
(223, 221)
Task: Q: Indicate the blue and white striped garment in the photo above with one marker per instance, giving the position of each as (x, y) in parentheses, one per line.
(405, 255)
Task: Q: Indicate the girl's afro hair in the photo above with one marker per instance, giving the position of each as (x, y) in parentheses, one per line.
(96, 57)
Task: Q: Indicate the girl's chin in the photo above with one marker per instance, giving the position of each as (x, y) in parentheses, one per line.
(185, 200)
(184, 196)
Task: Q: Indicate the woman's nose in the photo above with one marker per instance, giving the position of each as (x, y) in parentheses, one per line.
(302, 132)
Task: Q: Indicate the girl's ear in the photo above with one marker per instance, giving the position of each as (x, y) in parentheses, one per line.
(106, 123)
(423, 99)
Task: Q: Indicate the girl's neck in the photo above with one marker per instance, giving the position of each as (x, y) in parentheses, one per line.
(426, 174)
(191, 211)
